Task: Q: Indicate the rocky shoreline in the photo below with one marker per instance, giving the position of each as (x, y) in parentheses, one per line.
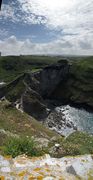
(29, 93)
(57, 120)
(67, 119)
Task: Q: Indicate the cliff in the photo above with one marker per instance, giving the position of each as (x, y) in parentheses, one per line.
(78, 87)
(65, 81)
(51, 76)
(30, 89)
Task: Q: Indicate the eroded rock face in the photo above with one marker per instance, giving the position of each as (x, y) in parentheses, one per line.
(33, 104)
(47, 168)
(78, 88)
(28, 90)
(51, 76)
(57, 82)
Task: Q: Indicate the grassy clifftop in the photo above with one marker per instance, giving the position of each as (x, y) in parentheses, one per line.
(12, 66)
(78, 87)
(82, 81)
(83, 69)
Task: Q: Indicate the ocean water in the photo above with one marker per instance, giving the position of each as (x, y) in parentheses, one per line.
(80, 117)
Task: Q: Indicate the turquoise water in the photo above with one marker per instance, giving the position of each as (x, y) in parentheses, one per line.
(80, 117)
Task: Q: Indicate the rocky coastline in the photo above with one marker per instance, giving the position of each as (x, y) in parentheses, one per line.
(39, 93)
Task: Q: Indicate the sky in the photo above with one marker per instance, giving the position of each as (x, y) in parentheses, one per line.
(63, 27)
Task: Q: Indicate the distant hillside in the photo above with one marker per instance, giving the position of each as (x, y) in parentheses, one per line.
(12, 66)
(77, 86)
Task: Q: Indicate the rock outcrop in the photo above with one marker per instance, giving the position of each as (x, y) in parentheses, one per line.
(46, 168)
(78, 87)
(30, 89)
(58, 121)
(62, 81)
(51, 76)
(33, 104)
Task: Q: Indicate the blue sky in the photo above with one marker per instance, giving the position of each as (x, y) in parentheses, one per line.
(46, 27)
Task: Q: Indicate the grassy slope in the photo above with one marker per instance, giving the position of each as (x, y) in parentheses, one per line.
(83, 69)
(12, 66)
(79, 86)
(15, 122)
(82, 80)
(77, 143)
(11, 120)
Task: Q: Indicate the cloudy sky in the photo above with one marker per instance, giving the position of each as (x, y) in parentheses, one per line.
(46, 27)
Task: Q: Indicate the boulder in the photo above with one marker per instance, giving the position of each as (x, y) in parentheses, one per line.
(71, 170)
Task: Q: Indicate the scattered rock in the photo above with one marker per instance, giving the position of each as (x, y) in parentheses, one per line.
(71, 170)
(42, 142)
(58, 121)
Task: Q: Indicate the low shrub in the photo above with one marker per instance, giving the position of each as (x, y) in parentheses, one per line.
(78, 143)
(23, 145)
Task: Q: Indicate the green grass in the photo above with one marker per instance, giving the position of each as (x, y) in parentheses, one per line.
(17, 146)
(83, 69)
(17, 129)
(12, 66)
(78, 88)
(14, 92)
(21, 124)
(78, 143)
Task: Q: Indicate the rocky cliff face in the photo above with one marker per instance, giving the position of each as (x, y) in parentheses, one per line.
(40, 85)
(33, 104)
(78, 87)
(51, 76)
(30, 88)
(62, 81)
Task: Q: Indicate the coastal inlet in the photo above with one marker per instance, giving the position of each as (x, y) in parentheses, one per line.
(67, 119)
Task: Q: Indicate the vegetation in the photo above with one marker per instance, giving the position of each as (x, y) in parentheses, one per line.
(15, 90)
(15, 123)
(78, 143)
(18, 128)
(23, 145)
(78, 87)
(12, 66)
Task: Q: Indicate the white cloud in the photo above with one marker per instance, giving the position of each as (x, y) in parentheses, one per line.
(55, 14)
(7, 13)
(66, 45)
(69, 16)
(62, 14)
(74, 18)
